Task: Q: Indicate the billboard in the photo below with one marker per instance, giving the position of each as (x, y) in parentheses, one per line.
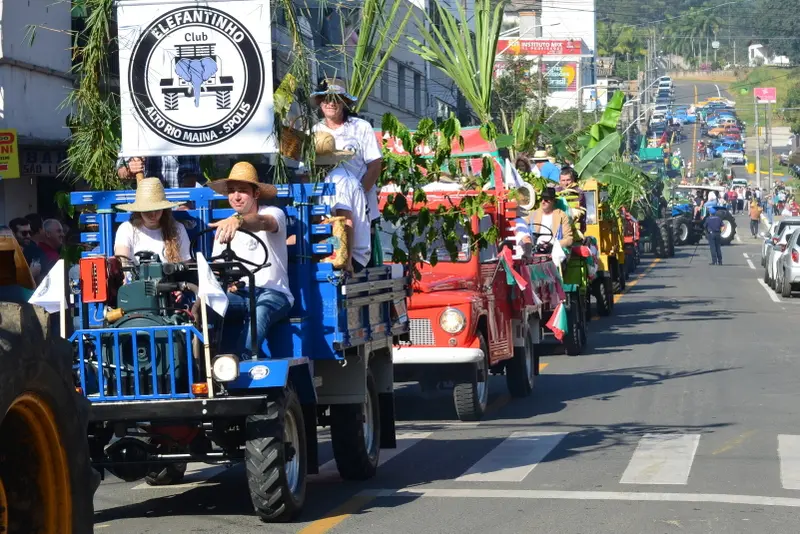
(539, 47)
(766, 95)
(9, 154)
(560, 76)
(196, 79)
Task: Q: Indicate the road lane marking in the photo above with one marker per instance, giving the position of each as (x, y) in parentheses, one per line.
(734, 442)
(632, 283)
(750, 263)
(662, 459)
(738, 239)
(718, 498)
(405, 441)
(769, 291)
(789, 454)
(745, 254)
(514, 458)
(330, 521)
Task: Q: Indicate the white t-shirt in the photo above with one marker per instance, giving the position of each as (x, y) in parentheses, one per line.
(276, 275)
(358, 135)
(139, 239)
(712, 196)
(546, 224)
(349, 196)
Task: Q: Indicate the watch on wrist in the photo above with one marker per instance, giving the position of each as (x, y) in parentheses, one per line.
(239, 217)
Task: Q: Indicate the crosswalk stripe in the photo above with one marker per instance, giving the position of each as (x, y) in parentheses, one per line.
(662, 459)
(514, 458)
(405, 440)
(789, 455)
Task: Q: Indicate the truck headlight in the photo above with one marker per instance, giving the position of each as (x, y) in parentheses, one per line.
(452, 321)
(225, 368)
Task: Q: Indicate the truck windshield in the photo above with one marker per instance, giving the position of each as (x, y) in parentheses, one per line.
(387, 230)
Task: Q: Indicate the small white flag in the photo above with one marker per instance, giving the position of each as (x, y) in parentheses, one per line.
(208, 287)
(51, 293)
(511, 176)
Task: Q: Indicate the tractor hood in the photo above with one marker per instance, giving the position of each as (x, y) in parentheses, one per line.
(443, 289)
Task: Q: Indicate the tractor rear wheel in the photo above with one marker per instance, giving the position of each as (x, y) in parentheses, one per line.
(46, 479)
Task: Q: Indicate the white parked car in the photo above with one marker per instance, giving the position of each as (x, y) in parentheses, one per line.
(787, 226)
(787, 271)
(767, 236)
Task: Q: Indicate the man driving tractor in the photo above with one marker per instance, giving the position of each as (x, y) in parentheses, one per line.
(273, 297)
(548, 223)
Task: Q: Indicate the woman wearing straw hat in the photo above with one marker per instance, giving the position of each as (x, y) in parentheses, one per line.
(152, 227)
(274, 299)
(348, 201)
(352, 133)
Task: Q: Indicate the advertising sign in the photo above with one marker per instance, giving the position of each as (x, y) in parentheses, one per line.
(196, 79)
(766, 95)
(538, 47)
(560, 76)
(9, 155)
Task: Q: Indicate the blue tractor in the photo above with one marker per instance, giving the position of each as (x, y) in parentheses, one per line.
(162, 393)
(688, 221)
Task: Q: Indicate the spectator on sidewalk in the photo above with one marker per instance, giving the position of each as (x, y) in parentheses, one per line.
(21, 229)
(755, 218)
(51, 244)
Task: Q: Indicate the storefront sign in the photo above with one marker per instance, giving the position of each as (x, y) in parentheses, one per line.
(9, 155)
(196, 79)
(538, 47)
(48, 163)
(560, 76)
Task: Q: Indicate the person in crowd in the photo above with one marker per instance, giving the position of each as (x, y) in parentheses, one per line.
(348, 201)
(755, 218)
(713, 226)
(573, 194)
(173, 171)
(152, 227)
(51, 244)
(357, 135)
(547, 169)
(769, 209)
(550, 223)
(21, 228)
(274, 299)
(37, 231)
(523, 164)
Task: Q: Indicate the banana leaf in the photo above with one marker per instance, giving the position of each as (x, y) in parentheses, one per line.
(608, 123)
(599, 156)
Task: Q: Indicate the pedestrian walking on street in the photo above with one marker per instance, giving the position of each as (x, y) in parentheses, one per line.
(755, 217)
(713, 227)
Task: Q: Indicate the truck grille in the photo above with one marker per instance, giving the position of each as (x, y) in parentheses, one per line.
(421, 332)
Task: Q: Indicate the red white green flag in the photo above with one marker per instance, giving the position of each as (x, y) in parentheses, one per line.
(558, 322)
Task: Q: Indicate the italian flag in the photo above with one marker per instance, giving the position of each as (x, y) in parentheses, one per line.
(558, 322)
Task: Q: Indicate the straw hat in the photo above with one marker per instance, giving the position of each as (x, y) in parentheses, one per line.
(326, 153)
(150, 196)
(245, 173)
(332, 86)
(540, 155)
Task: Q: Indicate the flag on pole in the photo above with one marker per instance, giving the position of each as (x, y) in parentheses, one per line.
(208, 287)
(511, 176)
(558, 322)
(51, 293)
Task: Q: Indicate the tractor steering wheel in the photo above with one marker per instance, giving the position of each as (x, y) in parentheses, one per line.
(229, 255)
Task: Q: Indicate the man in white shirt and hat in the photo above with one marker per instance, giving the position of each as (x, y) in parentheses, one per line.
(547, 168)
(274, 299)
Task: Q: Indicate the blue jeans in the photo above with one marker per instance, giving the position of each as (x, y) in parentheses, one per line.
(271, 306)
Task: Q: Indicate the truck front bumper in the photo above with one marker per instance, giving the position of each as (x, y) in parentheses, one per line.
(436, 355)
(179, 409)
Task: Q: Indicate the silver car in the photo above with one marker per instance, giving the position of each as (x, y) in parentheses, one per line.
(785, 228)
(768, 242)
(787, 271)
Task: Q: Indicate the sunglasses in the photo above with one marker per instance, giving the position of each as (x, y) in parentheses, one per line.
(332, 99)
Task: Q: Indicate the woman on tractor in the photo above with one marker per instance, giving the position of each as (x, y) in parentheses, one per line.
(151, 227)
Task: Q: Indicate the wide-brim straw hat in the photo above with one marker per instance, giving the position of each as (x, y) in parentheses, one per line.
(150, 196)
(326, 153)
(332, 86)
(540, 155)
(244, 172)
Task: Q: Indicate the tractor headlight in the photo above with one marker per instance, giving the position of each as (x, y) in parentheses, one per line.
(225, 368)
(452, 321)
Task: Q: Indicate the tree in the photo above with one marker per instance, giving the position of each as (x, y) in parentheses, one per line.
(517, 88)
(781, 20)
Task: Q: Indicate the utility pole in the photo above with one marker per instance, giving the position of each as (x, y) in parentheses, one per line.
(580, 93)
(769, 141)
(758, 144)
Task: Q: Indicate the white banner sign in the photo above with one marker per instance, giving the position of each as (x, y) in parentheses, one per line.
(195, 79)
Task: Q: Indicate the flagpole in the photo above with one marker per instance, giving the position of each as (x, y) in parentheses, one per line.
(206, 346)
(62, 302)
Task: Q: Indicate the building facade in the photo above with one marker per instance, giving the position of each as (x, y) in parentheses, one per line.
(34, 83)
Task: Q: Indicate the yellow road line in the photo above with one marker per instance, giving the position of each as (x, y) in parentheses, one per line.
(542, 366)
(632, 283)
(734, 442)
(352, 506)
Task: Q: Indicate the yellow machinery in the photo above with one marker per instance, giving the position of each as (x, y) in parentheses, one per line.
(605, 227)
(46, 481)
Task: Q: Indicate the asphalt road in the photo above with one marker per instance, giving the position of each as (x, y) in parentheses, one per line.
(681, 417)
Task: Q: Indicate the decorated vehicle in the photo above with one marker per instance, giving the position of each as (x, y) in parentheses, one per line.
(163, 394)
(689, 219)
